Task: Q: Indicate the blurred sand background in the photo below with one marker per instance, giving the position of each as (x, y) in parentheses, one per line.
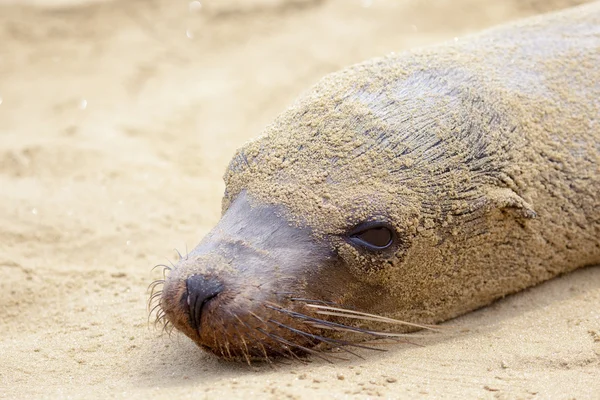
(117, 120)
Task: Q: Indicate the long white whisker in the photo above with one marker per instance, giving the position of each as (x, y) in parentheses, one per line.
(341, 312)
(374, 333)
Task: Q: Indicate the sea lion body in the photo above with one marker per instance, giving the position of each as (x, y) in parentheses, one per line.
(479, 159)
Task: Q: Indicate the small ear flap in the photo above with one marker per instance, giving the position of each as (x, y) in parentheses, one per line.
(504, 198)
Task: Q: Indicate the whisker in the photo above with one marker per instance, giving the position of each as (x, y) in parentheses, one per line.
(299, 332)
(380, 342)
(162, 321)
(263, 348)
(154, 284)
(329, 303)
(227, 347)
(341, 327)
(217, 343)
(167, 328)
(260, 342)
(160, 318)
(373, 319)
(154, 308)
(179, 254)
(245, 352)
(256, 340)
(328, 323)
(287, 342)
(165, 268)
(275, 322)
(274, 349)
(262, 321)
(161, 265)
(285, 346)
(153, 292)
(341, 312)
(390, 335)
(154, 296)
(157, 317)
(331, 341)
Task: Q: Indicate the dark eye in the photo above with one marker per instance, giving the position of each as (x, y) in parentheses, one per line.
(373, 236)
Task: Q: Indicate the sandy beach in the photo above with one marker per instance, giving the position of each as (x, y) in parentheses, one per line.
(117, 121)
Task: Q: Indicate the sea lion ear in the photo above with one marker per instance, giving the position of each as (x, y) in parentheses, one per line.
(507, 199)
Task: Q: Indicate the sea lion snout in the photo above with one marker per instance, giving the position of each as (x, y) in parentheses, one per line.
(235, 293)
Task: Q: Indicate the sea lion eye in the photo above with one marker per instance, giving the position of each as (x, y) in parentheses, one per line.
(373, 236)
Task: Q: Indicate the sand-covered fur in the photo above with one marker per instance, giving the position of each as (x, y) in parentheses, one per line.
(93, 197)
(482, 154)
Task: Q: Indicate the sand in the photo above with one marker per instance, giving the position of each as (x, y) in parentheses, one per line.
(117, 120)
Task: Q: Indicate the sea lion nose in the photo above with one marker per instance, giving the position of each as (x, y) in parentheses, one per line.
(200, 290)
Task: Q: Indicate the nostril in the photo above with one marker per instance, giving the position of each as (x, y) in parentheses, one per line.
(200, 290)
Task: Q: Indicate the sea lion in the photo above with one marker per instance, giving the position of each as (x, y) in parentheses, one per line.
(413, 187)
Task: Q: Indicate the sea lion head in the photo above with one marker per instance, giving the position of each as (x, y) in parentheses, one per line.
(362, 198)
(243, 291)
